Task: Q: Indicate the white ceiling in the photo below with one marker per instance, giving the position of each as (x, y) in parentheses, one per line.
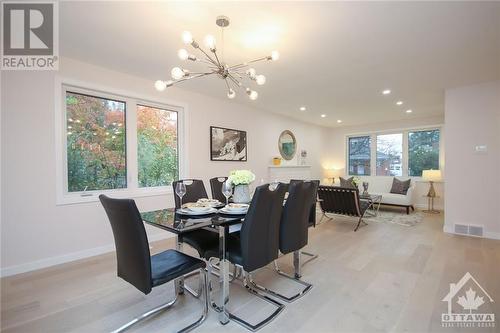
(336, 57)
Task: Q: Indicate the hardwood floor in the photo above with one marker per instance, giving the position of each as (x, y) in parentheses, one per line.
(383, 278)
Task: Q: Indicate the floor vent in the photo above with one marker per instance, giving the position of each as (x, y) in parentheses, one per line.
(473, 230)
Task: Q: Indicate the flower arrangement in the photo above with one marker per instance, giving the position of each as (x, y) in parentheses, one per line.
(241, 177)
(356, 181)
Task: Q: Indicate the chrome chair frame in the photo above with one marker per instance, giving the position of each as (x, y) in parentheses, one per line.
(248, 284)
(168, 305)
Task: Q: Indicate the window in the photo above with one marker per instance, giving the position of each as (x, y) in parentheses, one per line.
(96, 153)
(359, 155)
(390, 155)
(115, 144)
(401, 154)
(156, 146)
(423, 151)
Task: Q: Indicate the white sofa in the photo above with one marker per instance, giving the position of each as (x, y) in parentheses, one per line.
(382, 185)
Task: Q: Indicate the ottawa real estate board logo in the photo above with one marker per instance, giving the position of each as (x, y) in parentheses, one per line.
(29, 35)
(466, 301)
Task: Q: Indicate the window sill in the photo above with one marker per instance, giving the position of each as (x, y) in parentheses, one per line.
(77, 198)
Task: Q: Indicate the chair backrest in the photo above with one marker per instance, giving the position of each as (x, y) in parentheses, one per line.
(131, 242)
(312, 212)
(295, 217)
(339, 200)
(195, 189)
(216, 188)
(259, 233)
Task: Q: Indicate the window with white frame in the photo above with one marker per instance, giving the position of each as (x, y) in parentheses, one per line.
(359, 155)
(157, 146)
(398, 153)
(117, 143)
(423, 151)
(390, 154)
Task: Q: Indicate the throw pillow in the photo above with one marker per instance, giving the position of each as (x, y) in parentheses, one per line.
(400, 186)
(347, 182)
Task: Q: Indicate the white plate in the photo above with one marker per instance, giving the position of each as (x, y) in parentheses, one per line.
(210, 202)
(233, 206)
(185, 211)
(233, 211)
(196, 209)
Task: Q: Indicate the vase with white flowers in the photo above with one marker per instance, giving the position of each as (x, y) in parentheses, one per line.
(241, 179)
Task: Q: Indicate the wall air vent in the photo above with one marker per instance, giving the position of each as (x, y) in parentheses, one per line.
(461, 229)
(466, 229)
(476, 230)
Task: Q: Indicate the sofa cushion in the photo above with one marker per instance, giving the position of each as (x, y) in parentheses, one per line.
(347, 182)
(395, 199)
(400, 186)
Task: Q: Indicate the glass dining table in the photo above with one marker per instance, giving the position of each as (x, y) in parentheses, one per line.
(169, 220)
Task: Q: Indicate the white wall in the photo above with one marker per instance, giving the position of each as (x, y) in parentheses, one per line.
(36, 232)
(472, 116)
(336, 156)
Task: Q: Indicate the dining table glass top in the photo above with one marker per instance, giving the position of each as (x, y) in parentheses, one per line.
(170, 220)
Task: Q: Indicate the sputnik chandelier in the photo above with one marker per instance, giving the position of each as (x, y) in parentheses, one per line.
(232, 75)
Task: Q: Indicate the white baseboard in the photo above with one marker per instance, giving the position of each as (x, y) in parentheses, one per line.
(487, 234)
(52, 261)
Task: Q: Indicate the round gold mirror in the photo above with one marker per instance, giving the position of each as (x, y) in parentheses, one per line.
(287, 145)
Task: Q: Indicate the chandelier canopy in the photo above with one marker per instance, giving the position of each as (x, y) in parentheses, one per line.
(233, 75)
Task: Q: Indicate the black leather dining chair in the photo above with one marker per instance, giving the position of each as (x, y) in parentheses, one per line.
(294, 232)
(257, 244)
(312, 219)
(195, 190)
(136, 265)
(200, 240)
(216, 188)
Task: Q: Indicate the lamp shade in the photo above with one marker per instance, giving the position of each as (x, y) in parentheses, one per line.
(334, 173)
(431, 175)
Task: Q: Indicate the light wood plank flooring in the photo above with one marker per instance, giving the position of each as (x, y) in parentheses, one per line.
(383, 278)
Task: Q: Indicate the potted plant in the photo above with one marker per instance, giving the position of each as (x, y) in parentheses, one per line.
(241, 179)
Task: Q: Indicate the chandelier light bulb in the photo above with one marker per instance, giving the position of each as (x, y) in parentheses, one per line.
(231, 94)
(275, 55)
(187, 38)
(252, 94)
(183, 54)
(210, 42)
(260, 79)
(177, 73)
(251, 72)
(160, 85)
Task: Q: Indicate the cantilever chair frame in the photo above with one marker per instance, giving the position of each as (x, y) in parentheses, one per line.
(347, 203)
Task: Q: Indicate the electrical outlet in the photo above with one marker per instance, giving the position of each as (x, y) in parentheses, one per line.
(481, 149)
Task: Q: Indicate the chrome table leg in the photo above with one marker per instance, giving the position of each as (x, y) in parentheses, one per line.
(297, 265)
(179, 283)
(224, 276)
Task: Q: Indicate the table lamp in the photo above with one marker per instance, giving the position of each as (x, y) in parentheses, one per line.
(431, 176)
(333, 173)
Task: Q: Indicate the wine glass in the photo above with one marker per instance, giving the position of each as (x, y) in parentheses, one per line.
(227, 190)
(180, 190)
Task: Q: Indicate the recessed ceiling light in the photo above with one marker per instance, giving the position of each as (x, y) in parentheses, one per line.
(386, 92)
(399, 103)
(323, 115)
(339, 121)
(302, 108)
(409, 111)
